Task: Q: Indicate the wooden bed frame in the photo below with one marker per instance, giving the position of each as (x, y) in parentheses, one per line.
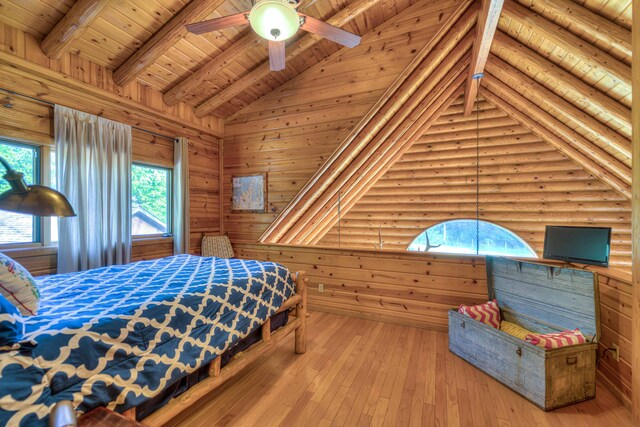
(218, 376)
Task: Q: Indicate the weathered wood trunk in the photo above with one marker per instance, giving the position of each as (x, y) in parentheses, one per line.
(542, 299)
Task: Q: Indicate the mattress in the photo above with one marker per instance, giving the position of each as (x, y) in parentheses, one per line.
(117, 336)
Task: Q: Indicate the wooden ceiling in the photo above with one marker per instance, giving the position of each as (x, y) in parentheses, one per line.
(119, 34)
(123, 27)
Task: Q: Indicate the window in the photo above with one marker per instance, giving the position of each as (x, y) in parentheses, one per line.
(15, 227)
(459, 237)
(150, 200)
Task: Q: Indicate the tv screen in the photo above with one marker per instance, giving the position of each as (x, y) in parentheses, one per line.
(585, 245)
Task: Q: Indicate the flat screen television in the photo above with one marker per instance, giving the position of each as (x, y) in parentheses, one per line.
(585, 245)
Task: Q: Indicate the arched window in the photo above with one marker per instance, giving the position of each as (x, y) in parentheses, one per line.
(459, 237)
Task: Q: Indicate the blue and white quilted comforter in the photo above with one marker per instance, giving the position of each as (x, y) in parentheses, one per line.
(118, 335)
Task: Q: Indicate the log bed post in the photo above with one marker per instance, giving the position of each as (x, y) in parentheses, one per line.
(301, 312)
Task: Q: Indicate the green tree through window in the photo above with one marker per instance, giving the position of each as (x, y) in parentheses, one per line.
(459, 237)
(14, 227)
(150, 200)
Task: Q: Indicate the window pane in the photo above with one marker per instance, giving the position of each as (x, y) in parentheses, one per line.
(460, 237)
(150, 195)
(18, 228)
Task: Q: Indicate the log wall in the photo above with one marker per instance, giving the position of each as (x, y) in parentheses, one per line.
(293, 130)
(22, 45)
(77, 83)
(525, 184)
(418, 289)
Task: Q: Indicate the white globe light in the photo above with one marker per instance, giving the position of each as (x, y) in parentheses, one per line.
(274, 19)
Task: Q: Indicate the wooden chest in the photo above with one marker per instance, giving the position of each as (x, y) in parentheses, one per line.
(542, 299)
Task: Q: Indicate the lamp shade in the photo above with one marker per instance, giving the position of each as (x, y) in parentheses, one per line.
(32, 199)
(37, 200)
(275, 20)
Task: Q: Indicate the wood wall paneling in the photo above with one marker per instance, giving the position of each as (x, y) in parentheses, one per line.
(418, 289)
(72, 79)
(292, 131)
(435, 181)
(76, 82)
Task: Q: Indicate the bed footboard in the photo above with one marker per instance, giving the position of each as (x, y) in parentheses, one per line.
(219, 376)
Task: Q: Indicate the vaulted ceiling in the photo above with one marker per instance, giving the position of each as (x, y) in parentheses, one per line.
(560, 68)
(146, 40)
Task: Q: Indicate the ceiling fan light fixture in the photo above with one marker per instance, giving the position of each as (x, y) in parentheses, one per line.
(275, 20)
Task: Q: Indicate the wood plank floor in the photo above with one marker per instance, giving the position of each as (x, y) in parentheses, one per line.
(361, 372)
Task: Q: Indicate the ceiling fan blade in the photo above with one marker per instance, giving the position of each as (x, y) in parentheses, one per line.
(328, 31)
(276, 55)
(218, 23)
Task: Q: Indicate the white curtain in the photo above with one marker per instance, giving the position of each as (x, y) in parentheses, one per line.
(181, 196)
(93, 161)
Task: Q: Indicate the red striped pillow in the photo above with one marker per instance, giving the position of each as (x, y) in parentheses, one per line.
(487, 313)
(557, 339)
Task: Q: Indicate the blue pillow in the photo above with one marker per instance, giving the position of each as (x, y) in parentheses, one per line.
(11, 323)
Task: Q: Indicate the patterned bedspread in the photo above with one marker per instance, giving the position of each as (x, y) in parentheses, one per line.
(119, 335)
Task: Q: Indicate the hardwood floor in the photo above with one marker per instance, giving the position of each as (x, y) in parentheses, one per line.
(361, 372)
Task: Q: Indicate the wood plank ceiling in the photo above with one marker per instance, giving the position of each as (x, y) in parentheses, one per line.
(123, 27)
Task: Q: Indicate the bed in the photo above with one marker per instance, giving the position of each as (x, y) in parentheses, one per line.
(118, 336)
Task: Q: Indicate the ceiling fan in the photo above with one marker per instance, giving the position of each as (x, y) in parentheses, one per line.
(277, 21)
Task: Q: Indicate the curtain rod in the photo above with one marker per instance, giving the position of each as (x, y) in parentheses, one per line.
(42, 101)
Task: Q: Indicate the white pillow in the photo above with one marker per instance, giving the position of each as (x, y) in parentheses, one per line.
(18, 287)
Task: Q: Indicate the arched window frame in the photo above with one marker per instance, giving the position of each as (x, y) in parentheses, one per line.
(525, 245)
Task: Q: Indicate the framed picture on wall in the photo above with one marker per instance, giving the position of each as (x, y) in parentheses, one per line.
(249, 193)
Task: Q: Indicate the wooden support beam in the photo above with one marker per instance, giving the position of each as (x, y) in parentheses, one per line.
(190, 85)
(441, 99)
(619, 143)
(301, 312)
(43, 83)
(635, 228)
(130, 413)
(593, 159)
(451, 32)
(605, 31)
(387, 147)
(347, 14)
(587, 95)
(72, 26)
(599, 61)
(359, 165)
(160, 42)
(488, 18)
(266, 330)
(214, 366)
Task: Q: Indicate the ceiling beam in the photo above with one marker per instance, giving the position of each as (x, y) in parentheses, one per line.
(347, 14)
(617, 142)
(586, 94)
(576, 148)
(439, 101)
(393, 100)
(598, 60)
(605, 31)
(172, 32)
(488, 18)
(374, 146)
(72, 26)
(189, 86)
